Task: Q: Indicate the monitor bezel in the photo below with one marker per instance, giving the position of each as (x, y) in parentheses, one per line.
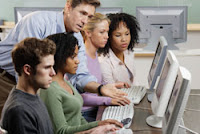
(163, 44)
(159, 105)
(178, 107)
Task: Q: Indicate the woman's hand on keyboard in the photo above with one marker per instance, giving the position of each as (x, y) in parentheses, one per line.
(126, 85)
(111, 90)
(110, 121)
(120, 101)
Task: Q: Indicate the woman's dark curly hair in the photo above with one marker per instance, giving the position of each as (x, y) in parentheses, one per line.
(130, 22)
(65, 47)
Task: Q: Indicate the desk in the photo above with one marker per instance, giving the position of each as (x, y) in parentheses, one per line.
(142, 111)
(191, 115)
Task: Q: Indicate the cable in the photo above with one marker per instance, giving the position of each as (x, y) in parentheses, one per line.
(142, 108)
(194, 94)
(195, 110)
(159, 130)
(191, 131)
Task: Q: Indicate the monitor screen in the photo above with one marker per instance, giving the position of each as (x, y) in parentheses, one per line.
(162, 80)
(172, 98)
(167, 21)
(107, 10)
(177, 102)
(154, 63)
(163, 90)
(157, 63)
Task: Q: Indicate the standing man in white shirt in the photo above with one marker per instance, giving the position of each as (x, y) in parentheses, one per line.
(41, 24)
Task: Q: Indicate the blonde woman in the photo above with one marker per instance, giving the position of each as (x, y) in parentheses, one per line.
(95, 36)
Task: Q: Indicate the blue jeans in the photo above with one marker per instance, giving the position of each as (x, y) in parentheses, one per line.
(90, 115)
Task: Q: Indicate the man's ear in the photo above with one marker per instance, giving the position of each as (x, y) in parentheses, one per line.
(68, 6)
(27, 69)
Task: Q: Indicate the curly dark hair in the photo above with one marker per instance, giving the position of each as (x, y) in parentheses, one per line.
(65, 47)
(130, 22)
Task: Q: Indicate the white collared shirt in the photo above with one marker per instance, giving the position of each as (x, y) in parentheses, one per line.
(114, 70)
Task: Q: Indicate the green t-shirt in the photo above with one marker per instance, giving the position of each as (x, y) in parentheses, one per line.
(65, 109)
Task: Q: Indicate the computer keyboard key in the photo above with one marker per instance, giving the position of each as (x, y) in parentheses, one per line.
(135, 93)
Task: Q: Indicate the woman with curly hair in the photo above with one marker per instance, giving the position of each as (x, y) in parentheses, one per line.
(62, 100)
(117, 59)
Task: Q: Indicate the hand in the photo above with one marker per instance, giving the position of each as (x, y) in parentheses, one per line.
(125, 84)
(120, 101)
(104, 129)
(111, 90)
(110, 121)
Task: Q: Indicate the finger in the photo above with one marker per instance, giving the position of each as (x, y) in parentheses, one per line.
(111, 127)
(116, 94)
(118, 124)
(124, 100)
(126, 85)
(120, 92)
(119, 85)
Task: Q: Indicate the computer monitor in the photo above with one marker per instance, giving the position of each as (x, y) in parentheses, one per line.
(107, 10)
(163, 90)
(157, 65)
(177, 103)
(20, 12)
(167, 21)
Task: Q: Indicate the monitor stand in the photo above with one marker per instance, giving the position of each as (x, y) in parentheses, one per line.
(154, 121)
(150, 94)
(150, 97)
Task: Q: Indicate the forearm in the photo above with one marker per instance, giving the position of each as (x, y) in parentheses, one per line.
(91, 99)
(91, 87)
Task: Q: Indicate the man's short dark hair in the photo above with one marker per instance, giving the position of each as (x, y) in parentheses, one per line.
(30, 51)
(74, 3)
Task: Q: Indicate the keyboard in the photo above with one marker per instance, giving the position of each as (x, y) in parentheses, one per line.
(135, 93)
(123, 114)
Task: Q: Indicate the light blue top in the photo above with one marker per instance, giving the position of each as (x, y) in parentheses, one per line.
(40, 24)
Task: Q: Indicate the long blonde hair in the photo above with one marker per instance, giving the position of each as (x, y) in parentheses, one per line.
(91, 25)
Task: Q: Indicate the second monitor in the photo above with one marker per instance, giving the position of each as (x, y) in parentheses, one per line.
(163, 90)
(177, 103)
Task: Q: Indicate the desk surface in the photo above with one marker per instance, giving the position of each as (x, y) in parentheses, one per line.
(142, 111)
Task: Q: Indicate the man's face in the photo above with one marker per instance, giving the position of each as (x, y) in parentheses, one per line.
(76, 18)
(44, 72)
